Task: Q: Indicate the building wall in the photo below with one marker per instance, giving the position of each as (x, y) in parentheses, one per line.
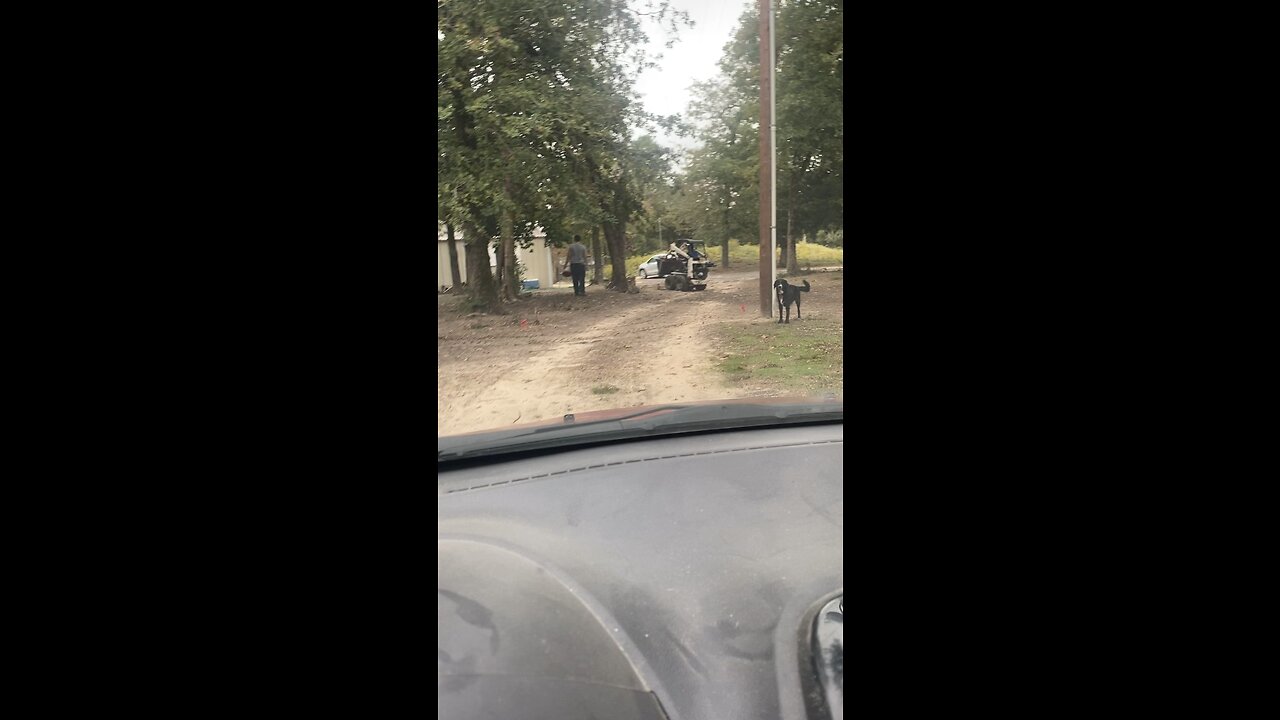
(445, 276)
(539, 261)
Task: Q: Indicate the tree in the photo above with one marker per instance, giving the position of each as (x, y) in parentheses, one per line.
(723, 173)
(721, 176)
(597, 251)
(546, 86)
(453, 256)
(810, 93)
(651, 169)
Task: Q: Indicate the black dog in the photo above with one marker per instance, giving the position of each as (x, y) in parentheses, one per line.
(787, 294)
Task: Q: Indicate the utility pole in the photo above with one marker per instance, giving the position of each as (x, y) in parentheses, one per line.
(768, 217)
(773, 145)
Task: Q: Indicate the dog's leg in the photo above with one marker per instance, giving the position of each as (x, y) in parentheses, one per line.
(797, 307)
(779, 312)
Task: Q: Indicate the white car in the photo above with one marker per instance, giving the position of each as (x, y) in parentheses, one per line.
(649, 268)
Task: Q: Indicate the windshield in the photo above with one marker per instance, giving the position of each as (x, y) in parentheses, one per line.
(601, 192)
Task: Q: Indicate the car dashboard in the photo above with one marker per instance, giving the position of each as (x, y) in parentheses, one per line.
(682, 577)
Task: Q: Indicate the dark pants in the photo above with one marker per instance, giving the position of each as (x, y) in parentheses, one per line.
(579, 272)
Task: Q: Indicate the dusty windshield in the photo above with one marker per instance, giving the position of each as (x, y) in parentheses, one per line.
(613, 229)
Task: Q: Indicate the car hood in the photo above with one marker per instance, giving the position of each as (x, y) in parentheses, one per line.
(642, 421)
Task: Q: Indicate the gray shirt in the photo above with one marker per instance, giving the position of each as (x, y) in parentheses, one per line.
(578, 253)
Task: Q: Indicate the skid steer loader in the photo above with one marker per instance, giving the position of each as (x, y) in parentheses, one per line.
(686, 266)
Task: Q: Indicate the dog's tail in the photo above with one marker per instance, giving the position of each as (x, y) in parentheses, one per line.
(806, 287)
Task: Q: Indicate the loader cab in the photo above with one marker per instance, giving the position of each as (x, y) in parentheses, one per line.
(697, 249)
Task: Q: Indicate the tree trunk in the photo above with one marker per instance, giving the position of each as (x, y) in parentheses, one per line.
(615, 236)
(724, 245)
(597, 276)
(792, 195)
(484, 291)
(792, 265)
(467, 239)
(508, 278)
(499, 263)
(453, 256)
(781, 255)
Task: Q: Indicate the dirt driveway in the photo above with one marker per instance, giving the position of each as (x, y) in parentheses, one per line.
(555, 353)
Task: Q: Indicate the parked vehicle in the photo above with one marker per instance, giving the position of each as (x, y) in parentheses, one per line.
(651, 268)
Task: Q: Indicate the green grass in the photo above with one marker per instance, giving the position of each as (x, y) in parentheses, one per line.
(749, 256)
(604, 390)
(634, 262)
(813, 254)
(800, 357)
(739, 254)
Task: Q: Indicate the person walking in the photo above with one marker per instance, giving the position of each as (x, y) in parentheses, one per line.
(576, 261)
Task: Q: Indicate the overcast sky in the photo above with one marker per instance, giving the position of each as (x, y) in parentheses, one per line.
(665, 89)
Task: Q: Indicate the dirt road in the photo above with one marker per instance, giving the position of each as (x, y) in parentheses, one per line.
(555, 353)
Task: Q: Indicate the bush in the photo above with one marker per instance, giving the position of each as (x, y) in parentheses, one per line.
(831, 238)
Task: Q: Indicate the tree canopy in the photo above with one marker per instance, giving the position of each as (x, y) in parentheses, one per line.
(535, 103)
(724, 113)
(536, 114)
